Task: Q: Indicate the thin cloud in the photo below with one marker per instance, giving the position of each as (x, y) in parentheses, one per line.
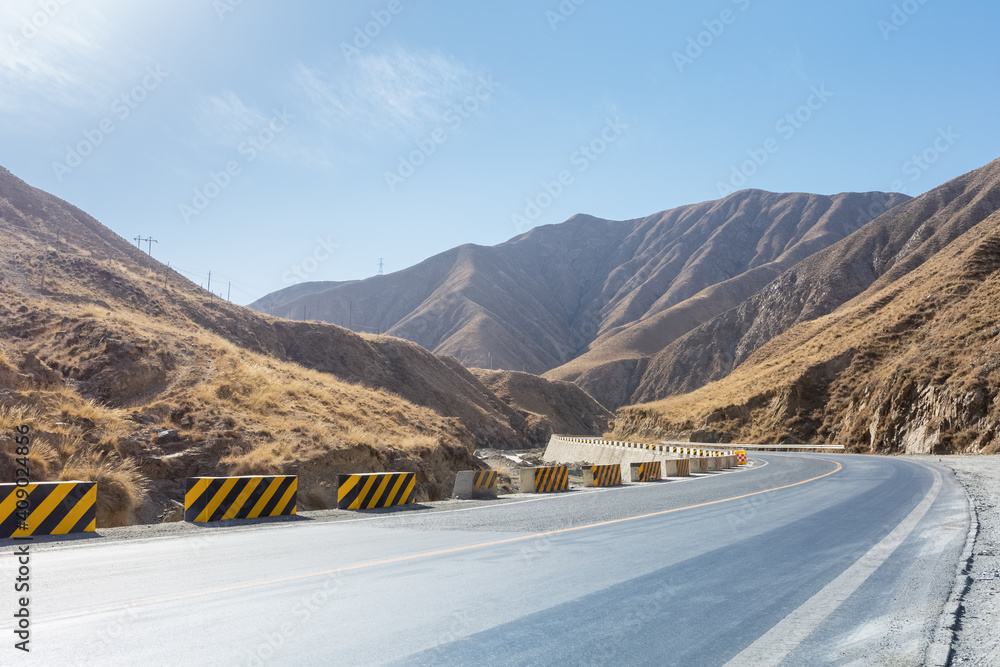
(396, 91)
(226, 119)
(56, 59)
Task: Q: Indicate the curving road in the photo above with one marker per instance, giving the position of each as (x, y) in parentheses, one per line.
(801, 560)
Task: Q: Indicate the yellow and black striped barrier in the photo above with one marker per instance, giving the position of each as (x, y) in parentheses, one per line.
(485, 480)
(683, 467)
(251, 497)
(649, 471)
(477, 484)
(372, 490)
(48, 508)
(544, 480)
(602, 475)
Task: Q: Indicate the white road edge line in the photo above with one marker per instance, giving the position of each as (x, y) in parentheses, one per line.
(779, 642)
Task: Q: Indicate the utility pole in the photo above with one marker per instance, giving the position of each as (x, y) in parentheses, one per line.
(150, 242)
(229, 293)
(138, 241)
(209, 281)
(381, 266)
(350, 315)
(45, 261)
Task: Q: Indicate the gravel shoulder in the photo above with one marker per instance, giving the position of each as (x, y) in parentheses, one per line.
(977, 640)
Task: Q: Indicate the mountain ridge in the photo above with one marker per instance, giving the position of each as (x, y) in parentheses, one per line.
(549, 296)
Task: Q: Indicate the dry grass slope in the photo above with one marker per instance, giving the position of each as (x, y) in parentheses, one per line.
(131, 374)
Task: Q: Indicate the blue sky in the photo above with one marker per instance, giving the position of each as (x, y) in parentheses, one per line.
(272, 142)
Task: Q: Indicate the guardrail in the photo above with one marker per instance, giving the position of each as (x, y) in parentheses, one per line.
(699, 448)
(759, 448)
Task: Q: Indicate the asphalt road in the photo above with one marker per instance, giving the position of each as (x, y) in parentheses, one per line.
(850, 563)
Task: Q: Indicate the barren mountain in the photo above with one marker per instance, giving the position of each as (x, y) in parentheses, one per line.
(130, 373)
(881, 252)
(912, 363)
(614, 292)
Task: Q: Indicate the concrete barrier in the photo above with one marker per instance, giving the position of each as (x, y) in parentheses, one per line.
(544, 480)
(602, 475)
(476, 484)
(251, 497)
(676, 468)
(700, 464)
(648, 471)
(372, 490)
(47, 508)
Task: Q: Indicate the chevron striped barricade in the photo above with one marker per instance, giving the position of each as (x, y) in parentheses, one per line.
(48, 508)
(476, 484)
(544, 480)
(649, 471)
(602, 475)
(249, 497)
(374, 490)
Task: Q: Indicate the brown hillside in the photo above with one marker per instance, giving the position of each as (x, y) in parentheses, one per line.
(868, 260)
(623, 290)
(547, 407)
(131, 373)
(911, 365)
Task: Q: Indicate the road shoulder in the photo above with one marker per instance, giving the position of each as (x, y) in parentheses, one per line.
(976, 641)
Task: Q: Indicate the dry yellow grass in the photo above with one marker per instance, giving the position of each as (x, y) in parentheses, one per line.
(129, 349)
(121, 487)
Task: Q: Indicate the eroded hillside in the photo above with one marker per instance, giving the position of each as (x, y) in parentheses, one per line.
(911, 365)
(130, 373)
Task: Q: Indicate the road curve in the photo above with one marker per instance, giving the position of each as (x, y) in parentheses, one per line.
(801, 560)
